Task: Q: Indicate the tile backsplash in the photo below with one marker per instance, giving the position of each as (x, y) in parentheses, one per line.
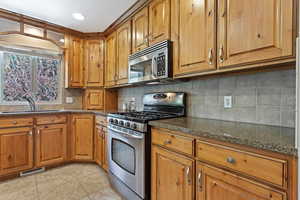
(263, 98)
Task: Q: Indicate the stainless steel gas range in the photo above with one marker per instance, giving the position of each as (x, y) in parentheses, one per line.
(129, 143)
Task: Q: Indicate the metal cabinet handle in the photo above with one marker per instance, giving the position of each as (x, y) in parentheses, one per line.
(210, 56)
(30, 133)
(14, 122)
(38, 132)
(199, 178)
(167, 142)
(221, 54)
(188, 177)
(230, 160)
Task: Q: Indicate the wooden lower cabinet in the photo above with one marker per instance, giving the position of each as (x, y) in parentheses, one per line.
(98, 156)
(50, 144)
(16, 150)
(216, 184)
(101, 147)
(105, 148)
(172, 175)
(82, 136)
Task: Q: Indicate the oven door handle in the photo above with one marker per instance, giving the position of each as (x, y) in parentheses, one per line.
(127, 135)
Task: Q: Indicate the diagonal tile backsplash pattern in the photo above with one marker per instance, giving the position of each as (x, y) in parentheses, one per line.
(264, 98)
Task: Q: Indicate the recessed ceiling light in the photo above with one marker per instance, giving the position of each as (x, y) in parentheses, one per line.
(78, 16)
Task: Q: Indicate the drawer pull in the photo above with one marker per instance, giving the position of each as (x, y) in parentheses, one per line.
(200, 180)
(30, 133)
(15, 122)
(230, 160)
(167, 142)
(189, 181)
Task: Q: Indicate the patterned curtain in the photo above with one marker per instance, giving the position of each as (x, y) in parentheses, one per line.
(17, 77)
(47, 79)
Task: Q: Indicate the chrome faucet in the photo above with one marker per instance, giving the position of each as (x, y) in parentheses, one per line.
(31, 102)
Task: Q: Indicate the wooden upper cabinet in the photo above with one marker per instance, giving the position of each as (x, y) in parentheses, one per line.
(140, 30)
(76, 70)
(94, 99)
(253, 32)
(159, 21)
(110, 67)
(94, 63)
(16, 150)
(213, 184)
(123, 51)
(197, 30)
(82, 136)
(172, 175)
(51, 144)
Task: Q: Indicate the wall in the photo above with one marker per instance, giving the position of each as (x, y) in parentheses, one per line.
(264, 98)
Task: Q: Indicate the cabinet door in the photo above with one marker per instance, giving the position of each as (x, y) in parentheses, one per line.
(123, 51)
(140, 30)
(94, 99)
(105, 148)
(159, 21)
(82, 136)
(172, 175)
(51, 144)
(253, 32)
(213, 183)
(99, 145)
(94, 62)
(110, 68)
(75, 65)
(197, 28)
(16, 150)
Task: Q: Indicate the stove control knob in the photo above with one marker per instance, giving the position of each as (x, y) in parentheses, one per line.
(127, 124)
(134, 126)
(121, 123)
(115, 121)
(111, 120)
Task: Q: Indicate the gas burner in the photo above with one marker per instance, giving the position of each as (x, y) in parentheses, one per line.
(142, 116)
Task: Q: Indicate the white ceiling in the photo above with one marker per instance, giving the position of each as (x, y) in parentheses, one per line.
(99, 14)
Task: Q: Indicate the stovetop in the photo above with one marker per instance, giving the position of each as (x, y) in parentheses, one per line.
(142, 116)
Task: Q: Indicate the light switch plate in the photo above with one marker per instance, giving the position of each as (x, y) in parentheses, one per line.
(69, 100)
(227, 101)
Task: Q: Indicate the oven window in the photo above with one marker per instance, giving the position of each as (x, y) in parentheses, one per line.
(123, 155)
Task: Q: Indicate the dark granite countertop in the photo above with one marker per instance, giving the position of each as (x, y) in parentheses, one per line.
(97, 112)
(273, 138)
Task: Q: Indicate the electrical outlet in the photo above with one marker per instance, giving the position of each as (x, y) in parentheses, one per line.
(227, 101)
(69, 100)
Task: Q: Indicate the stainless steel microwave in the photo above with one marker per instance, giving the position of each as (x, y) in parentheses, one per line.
(152, 64)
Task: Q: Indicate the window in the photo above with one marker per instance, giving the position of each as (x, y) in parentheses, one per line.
(35, 75)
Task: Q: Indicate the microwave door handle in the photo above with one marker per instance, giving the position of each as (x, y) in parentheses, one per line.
(154, 67)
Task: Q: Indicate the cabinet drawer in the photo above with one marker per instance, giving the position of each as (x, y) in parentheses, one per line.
(15, 122)
(173, 142)
(51, 119)
(258, 166)
(101, 120)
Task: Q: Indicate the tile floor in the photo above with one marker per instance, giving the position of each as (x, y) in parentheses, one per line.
(70, 182)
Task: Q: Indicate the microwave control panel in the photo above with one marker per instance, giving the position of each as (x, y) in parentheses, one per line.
(161, 65)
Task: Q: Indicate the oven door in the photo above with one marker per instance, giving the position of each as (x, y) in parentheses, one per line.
(127, 160)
